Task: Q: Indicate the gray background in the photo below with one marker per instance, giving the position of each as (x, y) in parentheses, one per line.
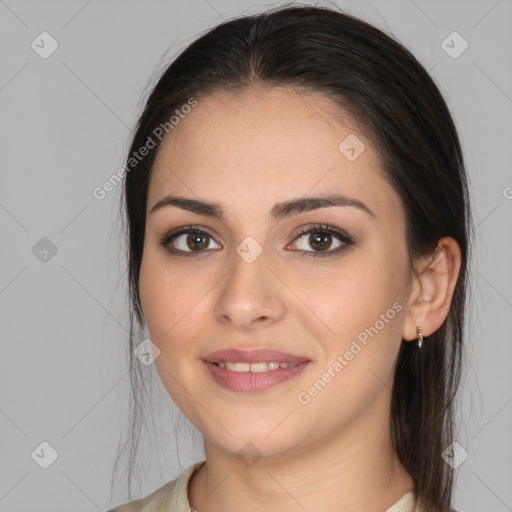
(65, 123)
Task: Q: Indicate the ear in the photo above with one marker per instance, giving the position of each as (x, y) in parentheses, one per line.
(431, 290)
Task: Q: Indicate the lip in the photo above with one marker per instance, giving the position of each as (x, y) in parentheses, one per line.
(248, 381)
(256, 355)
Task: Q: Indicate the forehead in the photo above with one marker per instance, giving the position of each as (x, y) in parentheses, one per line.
(268, 145)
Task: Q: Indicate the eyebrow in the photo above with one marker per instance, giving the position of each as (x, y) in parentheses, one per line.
(278, 212)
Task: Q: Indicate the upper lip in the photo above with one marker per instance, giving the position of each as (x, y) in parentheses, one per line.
(256, 355)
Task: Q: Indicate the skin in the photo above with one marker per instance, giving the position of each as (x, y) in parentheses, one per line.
(249, 152)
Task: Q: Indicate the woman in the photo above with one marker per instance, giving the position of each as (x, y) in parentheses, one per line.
(299, 229)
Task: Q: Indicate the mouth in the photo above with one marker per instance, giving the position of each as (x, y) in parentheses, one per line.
(253, 370)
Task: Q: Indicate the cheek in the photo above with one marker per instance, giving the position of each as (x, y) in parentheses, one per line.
(157, 294)
(363, 307)
(376, 314)
(172, 301)
(360, 305)
(165, 301)
(348, 297)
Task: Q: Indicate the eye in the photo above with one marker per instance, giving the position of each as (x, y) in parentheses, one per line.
(320, 238)
(187, 239)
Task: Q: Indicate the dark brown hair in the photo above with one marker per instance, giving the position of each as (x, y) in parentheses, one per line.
(401, 111)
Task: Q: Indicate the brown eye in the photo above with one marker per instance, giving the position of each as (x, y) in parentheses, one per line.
(191, 242)
(321, 238)
(318, 240)
(187, 240)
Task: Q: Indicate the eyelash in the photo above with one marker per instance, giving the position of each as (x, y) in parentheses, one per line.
(346, 240)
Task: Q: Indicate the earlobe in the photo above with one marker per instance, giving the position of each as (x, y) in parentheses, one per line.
(432, 289)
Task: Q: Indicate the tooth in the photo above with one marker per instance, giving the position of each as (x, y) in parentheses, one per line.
(259, 367)
(222, 364)
(238, 367)
(284, 365)
(273, 365)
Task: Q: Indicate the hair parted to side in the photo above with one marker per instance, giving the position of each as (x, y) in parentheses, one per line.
(401, 111)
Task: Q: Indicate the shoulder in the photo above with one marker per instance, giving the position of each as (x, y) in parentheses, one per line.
(408, 503)
(150, 503)
(172, 496)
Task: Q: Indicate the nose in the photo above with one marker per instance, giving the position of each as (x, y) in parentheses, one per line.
(251, 295)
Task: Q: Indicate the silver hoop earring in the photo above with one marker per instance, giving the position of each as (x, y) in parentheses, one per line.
(420, 336)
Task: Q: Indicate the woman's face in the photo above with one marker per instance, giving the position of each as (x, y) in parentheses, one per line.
(252, 282)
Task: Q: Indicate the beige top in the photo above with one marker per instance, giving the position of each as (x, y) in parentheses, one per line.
(173, 497)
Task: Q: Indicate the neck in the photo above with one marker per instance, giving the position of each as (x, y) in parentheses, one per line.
(355, 471)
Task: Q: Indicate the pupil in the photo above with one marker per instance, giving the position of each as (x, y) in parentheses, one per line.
(192, 239)
(319, 236)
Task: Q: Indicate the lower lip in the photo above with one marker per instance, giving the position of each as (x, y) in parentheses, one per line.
(253, 382)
